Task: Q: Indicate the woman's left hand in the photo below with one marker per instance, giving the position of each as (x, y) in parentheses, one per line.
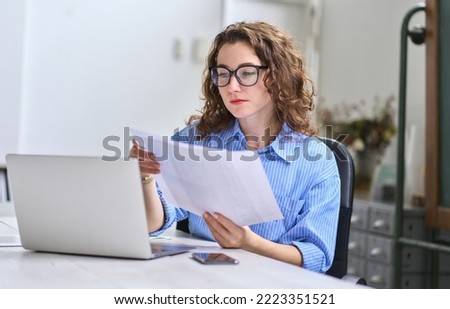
(225, 232)
(229, 235)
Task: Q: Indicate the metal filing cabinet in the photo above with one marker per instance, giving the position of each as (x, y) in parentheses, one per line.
(371, 245)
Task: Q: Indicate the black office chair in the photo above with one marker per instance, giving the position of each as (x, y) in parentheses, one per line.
(346, 169)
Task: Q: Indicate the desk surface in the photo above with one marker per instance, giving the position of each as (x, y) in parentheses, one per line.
(20, 268)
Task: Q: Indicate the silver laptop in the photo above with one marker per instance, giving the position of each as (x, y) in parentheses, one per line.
(82, 205)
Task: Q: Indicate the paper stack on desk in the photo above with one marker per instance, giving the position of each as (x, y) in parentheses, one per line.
(201, 179)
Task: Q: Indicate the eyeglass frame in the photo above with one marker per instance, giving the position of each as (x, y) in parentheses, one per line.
(233, 72)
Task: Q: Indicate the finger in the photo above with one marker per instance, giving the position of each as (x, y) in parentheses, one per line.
(216, 234)
(150, 166)
(225, 222)
(147, 164)
(134, 152)
(215, 225)
(139, 152)
(150, 156)
(149, 169)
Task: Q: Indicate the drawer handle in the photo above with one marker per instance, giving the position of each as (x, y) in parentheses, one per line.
(352, 246)
(376, 252)
(377, 279)
(380, 225)
(355, 219)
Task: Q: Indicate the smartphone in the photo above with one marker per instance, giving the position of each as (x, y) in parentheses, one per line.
(213, 258)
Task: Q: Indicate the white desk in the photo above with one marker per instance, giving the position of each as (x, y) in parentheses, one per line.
(20, 268)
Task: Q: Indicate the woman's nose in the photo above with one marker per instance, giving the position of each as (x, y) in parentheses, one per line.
(233, 85)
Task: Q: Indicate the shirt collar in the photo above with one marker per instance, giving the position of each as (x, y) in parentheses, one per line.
(285, 145)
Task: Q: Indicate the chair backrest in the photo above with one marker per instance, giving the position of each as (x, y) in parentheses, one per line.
(347, 174)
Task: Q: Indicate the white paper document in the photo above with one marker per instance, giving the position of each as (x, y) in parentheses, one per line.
(201, 179)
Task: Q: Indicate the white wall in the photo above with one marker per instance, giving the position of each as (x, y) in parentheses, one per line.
(12, 17)
(93, 67)
(360, 59)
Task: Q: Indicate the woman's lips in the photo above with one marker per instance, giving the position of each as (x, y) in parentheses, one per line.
(237, 101)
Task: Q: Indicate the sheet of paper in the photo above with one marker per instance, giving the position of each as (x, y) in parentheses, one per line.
(201, 179)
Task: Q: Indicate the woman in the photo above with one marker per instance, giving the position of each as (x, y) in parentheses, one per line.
(258, 96)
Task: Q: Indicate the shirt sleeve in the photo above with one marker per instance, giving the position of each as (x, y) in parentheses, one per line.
(172, 214)
(318, 224)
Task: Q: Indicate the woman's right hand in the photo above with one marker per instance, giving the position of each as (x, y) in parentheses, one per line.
(147, 160)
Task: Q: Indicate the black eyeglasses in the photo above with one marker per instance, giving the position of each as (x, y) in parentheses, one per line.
(246, 75)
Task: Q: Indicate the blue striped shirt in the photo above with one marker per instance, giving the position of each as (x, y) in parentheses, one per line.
(305, 182)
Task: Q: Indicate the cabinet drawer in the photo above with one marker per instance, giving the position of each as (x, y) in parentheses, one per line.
(382, 221)
(413, 259)
(414, 281)
(356, 266)
(414, 227)
(380, 249)
(379, 275)
(357, 243)
(360, 217)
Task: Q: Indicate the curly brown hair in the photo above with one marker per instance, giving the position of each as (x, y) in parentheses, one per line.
(288, 84)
